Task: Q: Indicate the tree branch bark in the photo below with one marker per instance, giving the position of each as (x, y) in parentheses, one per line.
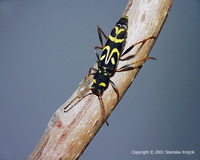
(68, 134)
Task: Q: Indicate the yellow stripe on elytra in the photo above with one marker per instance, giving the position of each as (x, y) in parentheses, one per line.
(113, 51)
(113, 60)
(119, 40)
(102, 57)
(114, 39)
(111, 38)
(116, 31)
(109, 56)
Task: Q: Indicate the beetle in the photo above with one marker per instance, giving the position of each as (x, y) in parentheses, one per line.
(109, 59)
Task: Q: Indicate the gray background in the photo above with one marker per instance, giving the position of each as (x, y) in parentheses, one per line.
(47, 48)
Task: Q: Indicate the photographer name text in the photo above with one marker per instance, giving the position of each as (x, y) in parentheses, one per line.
(163, 152)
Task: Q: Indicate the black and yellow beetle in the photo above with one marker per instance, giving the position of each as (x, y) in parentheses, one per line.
(108, 61)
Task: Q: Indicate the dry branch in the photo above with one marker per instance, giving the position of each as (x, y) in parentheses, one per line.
(68, 134)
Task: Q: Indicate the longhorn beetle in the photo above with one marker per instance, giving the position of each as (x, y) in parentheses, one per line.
(108, 61)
